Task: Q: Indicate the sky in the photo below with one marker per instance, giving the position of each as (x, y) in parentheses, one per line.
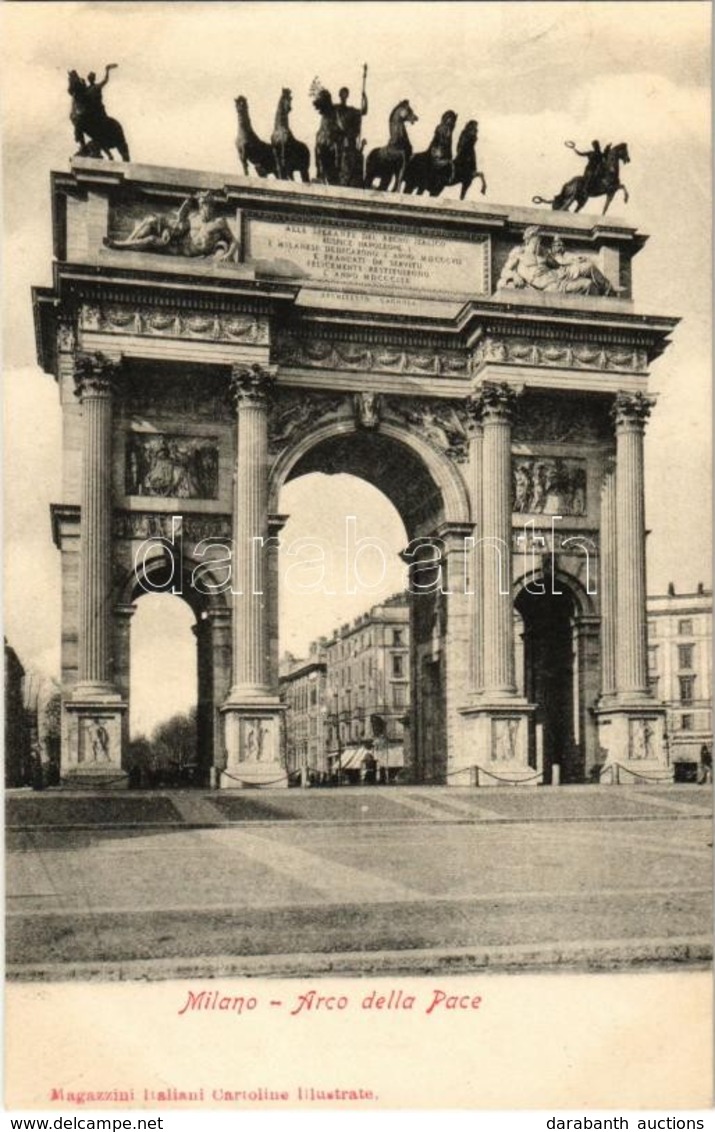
(534, 74)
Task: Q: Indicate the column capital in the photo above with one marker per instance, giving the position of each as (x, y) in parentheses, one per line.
(494, 401)
(474, 409)
(95, 375)
(250, 383)
(631, 410)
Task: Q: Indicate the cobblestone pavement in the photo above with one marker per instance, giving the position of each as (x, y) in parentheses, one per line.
(359, 872)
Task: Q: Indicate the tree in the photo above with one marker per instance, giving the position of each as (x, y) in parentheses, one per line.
(174, 745)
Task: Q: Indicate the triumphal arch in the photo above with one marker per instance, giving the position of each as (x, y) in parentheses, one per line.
(485, 367)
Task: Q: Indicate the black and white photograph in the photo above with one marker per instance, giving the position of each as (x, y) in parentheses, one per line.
(358, 600)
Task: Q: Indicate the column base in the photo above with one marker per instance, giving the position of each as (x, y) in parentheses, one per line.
(92, 753)
(95, 692)
(632, 743)
(253, 742)
(499, 744)
(241, 695)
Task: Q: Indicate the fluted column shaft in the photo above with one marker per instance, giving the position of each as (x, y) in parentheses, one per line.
(250, 522)
(497, 611)
(630, 414)
(476, 438)
(608, 570)
(94, 375)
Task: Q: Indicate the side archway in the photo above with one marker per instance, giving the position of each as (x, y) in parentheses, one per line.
(559, 659)
(212, 631)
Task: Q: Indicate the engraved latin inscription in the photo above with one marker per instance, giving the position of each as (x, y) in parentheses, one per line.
(370, 257)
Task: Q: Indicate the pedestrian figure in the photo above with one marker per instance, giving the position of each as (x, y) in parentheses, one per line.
(706, 765)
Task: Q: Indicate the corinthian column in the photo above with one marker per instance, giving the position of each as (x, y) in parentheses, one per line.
(608, 568)
(630, 413)
(497, 404)
(94, 376)
(476, 437)
(253, 742)
(251, 645)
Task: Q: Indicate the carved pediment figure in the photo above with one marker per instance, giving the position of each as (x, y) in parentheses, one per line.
(533, 265)
(193, 230)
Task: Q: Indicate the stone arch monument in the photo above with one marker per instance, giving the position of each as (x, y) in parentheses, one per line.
(213, 337)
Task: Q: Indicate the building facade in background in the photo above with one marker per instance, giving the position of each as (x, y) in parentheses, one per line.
(347, 701)
(303, 684)
(680, 667)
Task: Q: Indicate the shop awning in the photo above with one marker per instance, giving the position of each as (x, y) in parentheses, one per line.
(351, 757)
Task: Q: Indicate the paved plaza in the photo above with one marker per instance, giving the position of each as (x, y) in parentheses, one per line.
(143, 885)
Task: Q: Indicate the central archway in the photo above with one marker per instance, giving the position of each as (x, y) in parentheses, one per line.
(422, 482)
(426, 490)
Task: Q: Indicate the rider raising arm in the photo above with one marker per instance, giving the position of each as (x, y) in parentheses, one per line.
(91, 76)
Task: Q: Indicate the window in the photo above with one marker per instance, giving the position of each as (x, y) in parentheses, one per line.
(398, 666)
(686, 689)
(685, 628)
(685, 656)
(398, 695)
(652, 628)
(313, 696)
(652, 658)
(686, 723)
(653, 684)
(397, 637)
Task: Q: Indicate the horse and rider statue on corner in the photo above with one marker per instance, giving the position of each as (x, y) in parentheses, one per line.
(340, 147)
(94, 131)
(601, 177)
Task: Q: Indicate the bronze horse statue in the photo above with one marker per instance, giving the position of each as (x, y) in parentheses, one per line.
(390, 161)
(465, 163)
(249, 145)
(94, 131)
(604, 181)
(433, 169)
(290, 155)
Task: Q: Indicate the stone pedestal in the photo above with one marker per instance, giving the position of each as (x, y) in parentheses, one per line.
(500, 736)
(95, 711)
(253, 748)
(93, 752)
(252, 714)
(633, 741)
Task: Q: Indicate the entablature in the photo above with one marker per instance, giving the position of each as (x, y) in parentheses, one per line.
(196, 266)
